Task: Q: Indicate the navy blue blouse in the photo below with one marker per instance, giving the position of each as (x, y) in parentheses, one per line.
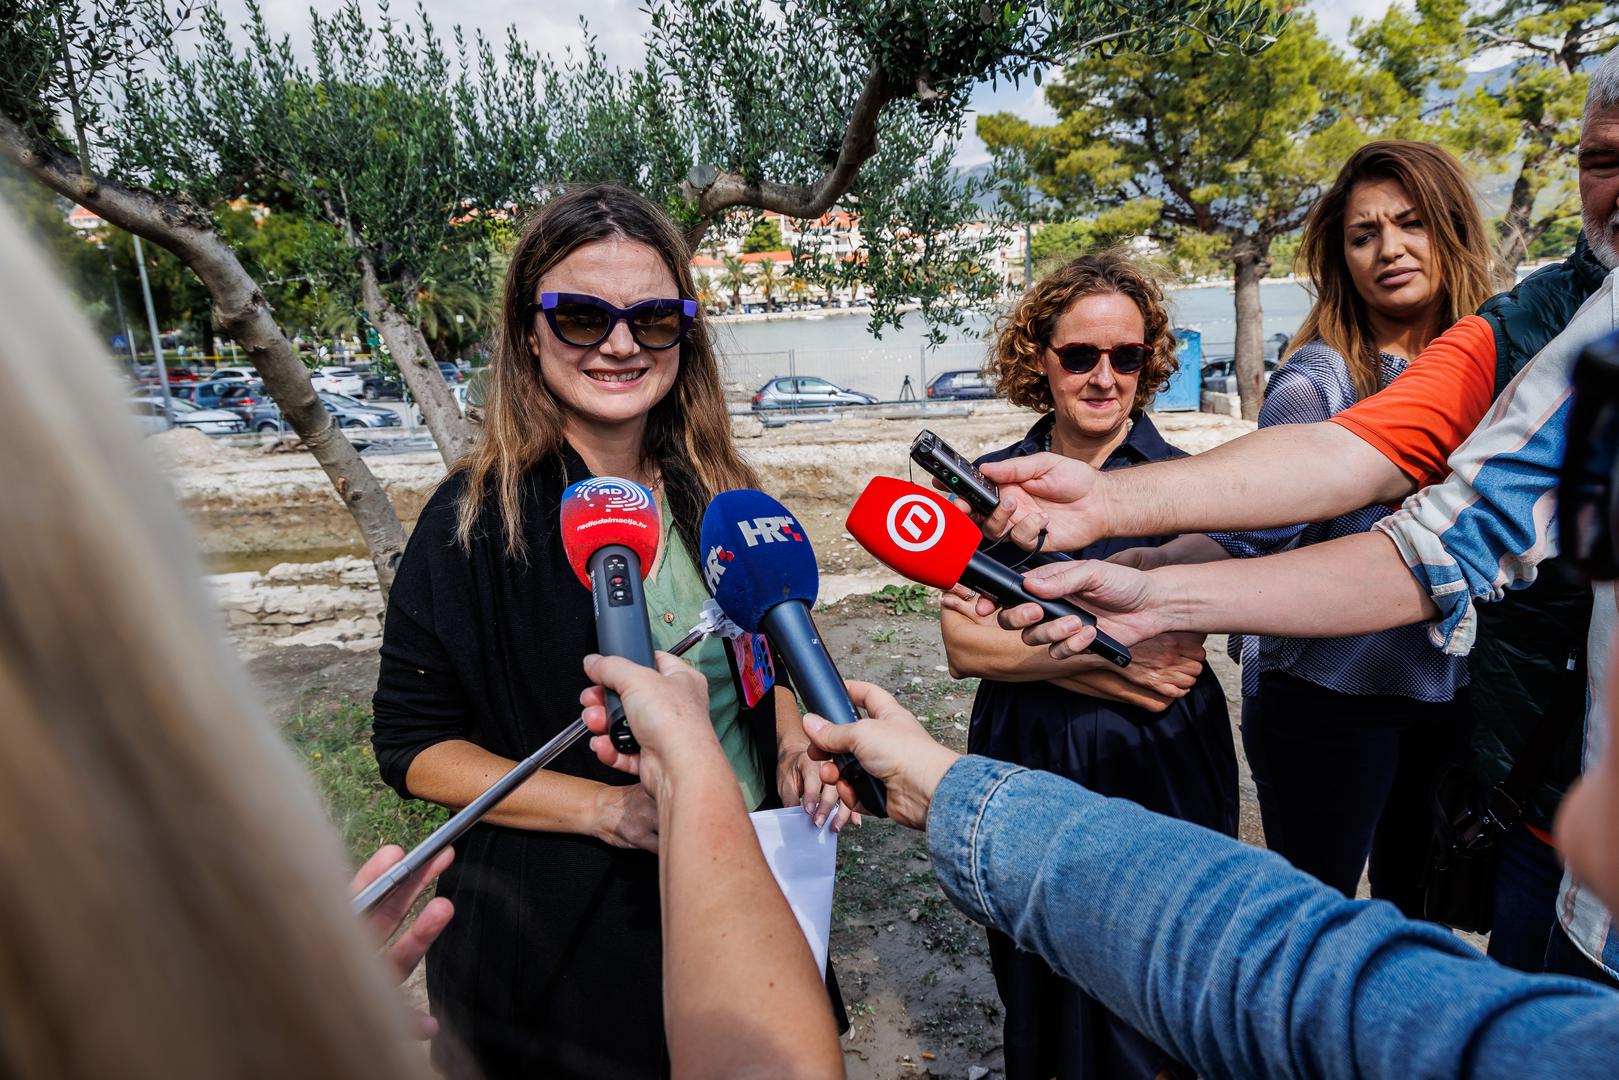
(1180, 761)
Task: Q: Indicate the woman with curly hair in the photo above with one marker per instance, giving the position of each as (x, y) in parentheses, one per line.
(1089, 346)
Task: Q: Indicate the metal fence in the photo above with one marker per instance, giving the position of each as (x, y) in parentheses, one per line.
(888, 373)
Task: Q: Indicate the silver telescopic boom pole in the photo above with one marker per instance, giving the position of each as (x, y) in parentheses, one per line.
(448, 833)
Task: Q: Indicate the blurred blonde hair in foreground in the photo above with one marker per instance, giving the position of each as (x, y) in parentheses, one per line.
(173, 901)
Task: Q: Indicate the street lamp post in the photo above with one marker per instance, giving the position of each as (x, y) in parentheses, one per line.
(118, 303)
(157, 339)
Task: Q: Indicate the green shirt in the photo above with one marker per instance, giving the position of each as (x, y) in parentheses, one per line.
(674, 600)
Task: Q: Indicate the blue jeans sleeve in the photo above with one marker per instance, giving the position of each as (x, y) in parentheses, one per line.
(1234, 961)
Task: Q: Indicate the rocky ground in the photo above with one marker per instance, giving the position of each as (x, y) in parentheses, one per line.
(914, 973)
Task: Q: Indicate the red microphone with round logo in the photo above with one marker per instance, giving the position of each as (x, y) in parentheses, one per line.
(610, 535)
(918, 533)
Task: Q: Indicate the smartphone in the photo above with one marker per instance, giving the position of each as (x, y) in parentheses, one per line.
(956, 473)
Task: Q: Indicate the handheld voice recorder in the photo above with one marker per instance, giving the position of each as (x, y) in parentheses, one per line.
(955, 472)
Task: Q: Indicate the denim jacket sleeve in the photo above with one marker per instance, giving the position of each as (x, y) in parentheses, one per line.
(1234, 961)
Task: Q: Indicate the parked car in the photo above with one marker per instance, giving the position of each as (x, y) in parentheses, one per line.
(348, 413)
(241, 398)
(218, 393)
(463, 402)
(235, 374)
(966, 384)
(337, 380)
(380, 382)
(146, 375)
(1220, 372)
(149, 415)
(451, 373)
(806, 391)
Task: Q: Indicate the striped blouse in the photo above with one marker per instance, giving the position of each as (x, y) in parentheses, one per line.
(1313, 385)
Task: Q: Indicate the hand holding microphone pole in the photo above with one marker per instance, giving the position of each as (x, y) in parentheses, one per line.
(918, 533)
(610, 533)
(758, 563)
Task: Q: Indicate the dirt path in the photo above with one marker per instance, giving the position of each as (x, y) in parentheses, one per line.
(915, 973)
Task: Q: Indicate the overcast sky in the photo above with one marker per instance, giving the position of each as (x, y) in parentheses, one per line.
(618, 25)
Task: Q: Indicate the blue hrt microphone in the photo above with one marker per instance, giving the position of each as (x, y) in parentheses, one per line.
(759, 565)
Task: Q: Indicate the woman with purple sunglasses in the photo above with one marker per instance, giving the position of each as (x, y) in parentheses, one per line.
(1089, 346)
(603, 366)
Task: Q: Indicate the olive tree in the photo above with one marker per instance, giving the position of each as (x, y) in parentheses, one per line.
(68, 59)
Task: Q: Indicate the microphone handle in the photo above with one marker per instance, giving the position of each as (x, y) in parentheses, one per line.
(797, 643)
(1006, 585)
(621, 625)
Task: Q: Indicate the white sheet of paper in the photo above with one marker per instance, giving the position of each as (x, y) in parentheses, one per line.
(804, 860)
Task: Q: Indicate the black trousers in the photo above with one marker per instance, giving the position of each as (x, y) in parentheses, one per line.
(1346, 778)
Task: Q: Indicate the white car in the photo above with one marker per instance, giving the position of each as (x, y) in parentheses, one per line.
(338, 380)
(148, 412)
(235, 374)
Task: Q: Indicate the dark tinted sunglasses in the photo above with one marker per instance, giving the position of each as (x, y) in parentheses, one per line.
(583, 320)
(1080, 358)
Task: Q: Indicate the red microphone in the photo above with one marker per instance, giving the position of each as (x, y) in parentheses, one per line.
(610, 535)
(918, 533)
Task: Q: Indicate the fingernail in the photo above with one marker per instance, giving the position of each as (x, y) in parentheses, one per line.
(809, 807)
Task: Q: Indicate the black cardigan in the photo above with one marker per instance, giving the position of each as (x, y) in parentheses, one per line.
(552, 961)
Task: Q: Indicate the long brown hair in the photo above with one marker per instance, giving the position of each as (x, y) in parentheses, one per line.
(1462, 252)
(1017, 362)
(688, 433)
(174, 897)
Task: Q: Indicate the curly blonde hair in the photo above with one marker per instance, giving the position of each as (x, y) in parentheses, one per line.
(1017, 362)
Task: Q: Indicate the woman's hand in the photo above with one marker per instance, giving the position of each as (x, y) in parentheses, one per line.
(667, 710)
(407, 951)
(1111, 686)
(1142, 558)
(798, 780)
(1168, 664)
(891, 745)
(626, 816)
(963, 601)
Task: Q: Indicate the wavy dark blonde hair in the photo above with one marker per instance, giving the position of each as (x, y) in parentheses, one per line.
(1462, 255)
(688, 433)
(1017, 362)
(174, 902)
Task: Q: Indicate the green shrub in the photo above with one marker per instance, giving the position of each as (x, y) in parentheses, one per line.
(335, 745)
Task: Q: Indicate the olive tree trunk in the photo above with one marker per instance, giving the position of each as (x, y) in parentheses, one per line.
(408, 347)
(1252, 260)
(240, 311)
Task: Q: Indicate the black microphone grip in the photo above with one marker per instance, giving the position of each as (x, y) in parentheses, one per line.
(797, 644)
(989, 577)
(621, 625)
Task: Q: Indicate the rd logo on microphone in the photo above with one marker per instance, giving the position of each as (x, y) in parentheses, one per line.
(621, 495)
(915, 522)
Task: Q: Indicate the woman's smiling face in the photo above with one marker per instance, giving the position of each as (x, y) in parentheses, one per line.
(615, 381)
(1096, 404)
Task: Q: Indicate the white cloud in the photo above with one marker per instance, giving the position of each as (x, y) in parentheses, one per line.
(552, 27)
(1332, 17)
